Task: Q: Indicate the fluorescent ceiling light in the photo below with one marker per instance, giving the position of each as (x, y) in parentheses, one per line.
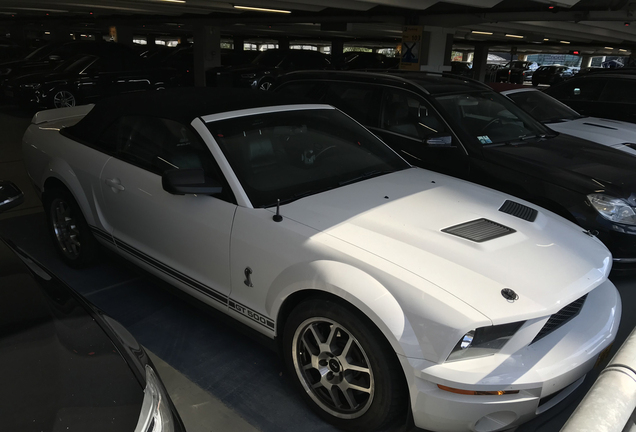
(565, 42)
(262, 9)
(545, 39)
(620, 49)
(481, 32)
(514, 36)
(609, 48)
(174, 1)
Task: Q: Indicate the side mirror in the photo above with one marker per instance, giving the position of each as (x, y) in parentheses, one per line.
(189, 181)
(10, 195)
(440, 141)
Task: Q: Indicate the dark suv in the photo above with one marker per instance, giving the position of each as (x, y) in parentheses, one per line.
(463, 128)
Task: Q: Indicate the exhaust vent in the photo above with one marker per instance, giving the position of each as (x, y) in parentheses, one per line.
(479, 230)
(519, 210)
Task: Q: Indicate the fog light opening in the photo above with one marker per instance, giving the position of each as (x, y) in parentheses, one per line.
(496, 421)
(477, 392)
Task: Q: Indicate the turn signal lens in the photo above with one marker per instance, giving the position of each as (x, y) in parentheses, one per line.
(477, 393)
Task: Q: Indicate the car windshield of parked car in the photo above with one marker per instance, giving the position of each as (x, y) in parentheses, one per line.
(288, 155)
(544, 108)
(269, 58)
(489, 118)
(518, 65)
(76, 63)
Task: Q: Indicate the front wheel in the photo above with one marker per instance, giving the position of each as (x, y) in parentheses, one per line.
(68, 228)
(63, 98)
(343, 366)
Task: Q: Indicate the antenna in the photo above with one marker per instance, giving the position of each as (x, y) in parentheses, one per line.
(277, 217)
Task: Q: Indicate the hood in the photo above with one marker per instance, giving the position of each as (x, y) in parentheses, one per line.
(570, 162)
(39, 77)
(402, 218)
(49, 342)
(611, 133)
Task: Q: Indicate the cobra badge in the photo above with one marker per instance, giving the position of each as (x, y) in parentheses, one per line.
(509, 294)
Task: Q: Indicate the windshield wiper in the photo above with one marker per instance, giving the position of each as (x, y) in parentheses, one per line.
(364, 176)
(521, 140)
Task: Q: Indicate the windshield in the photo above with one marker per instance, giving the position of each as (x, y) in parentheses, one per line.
(518, 65)
(270, 58)
(76, 63)
(489, 118)
(288, 155)
(544, 108)
(42, 52)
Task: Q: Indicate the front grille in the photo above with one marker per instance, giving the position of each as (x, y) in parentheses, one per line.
(479, 230)
(560, 318)
(519, 210)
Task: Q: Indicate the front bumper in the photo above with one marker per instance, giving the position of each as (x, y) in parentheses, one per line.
(543, 373)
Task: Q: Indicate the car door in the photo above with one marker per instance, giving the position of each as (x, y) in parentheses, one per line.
(413, 128)
(184, 239)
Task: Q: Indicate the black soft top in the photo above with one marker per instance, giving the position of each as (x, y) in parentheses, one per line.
(179, 104)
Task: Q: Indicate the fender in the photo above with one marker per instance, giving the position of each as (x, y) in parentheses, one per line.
(354, 286)
(62, 171)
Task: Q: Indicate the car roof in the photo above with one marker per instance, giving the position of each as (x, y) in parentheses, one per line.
(428, 82)
(182, 104)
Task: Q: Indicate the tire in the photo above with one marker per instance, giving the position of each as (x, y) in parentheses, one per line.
(69, 230)
(62, 98)
(357, 355)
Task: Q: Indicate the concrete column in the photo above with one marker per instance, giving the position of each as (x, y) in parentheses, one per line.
(437, 45)
(18, 34)
(465, 56)
(122, 34)
(207, 51)
(337, 52)
(239, 44)
(480, 60)
(59, 32)
(586, 61)
(283, 44)
(151, 40)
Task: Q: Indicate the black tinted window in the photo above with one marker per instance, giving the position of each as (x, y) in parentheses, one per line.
(619, 91)
(407, 114)
(357, 100)
(581, 90)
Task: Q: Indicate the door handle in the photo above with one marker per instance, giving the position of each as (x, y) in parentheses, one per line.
(115, 184)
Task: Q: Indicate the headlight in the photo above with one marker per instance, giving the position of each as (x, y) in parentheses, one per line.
(484, 341)
(248, 76)
(613, 209)
(33, 86)
(155, 413)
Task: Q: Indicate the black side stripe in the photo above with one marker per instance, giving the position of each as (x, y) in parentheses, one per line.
(204, 289)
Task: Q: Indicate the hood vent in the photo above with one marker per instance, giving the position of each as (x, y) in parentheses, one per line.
(560, 318)
(519, 210)
(479, 230)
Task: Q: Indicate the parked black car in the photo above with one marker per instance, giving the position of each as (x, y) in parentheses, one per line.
(463, 128)
(264, 69)
(368, 60)
(515, 72)
(608, 95)
(553, 74)
(461, 68)
(66, 365)
(49, 56)
(87, 78)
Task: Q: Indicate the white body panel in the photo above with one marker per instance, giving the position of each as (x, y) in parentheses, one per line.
(378, 245)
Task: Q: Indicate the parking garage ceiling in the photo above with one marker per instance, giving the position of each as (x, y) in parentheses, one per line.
(592, 26)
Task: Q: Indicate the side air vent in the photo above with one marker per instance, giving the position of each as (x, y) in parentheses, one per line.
(479, 230)
(560, 318)
(519, 210)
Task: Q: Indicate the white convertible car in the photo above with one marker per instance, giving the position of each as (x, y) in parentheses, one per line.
(385, 285)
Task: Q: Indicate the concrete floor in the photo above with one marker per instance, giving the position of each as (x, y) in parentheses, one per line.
(219, 378)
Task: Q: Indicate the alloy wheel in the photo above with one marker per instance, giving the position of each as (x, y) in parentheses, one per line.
(333, 368)
(65, 228)
(63, 98)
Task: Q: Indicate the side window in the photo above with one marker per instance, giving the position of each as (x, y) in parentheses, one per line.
(407, 114)
(620, 91)
(581, 90)
(357, 100)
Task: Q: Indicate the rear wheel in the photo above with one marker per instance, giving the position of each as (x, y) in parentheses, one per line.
(343, 366)
(68, 228)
